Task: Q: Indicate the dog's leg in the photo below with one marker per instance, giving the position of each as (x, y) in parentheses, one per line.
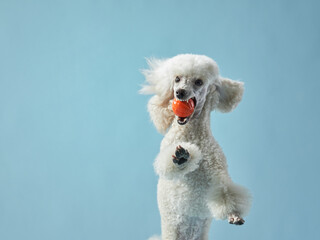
(181, 156)
(229, 200)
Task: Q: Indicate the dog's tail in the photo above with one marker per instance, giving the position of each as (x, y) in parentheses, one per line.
(155, 237)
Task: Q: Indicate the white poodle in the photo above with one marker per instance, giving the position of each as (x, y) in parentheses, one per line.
(194, 184)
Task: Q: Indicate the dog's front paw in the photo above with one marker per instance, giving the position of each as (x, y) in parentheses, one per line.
(181, 155)
(235, 219)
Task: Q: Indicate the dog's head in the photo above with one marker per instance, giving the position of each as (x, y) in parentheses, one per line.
(183, 77)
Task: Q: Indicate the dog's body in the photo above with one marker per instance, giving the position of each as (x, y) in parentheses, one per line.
(194, 185)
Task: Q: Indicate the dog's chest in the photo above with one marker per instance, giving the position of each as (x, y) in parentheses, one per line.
(192, 133)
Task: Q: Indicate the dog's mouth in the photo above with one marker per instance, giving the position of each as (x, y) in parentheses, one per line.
(184, 120)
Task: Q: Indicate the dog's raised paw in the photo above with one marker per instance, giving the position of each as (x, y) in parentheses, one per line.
(181, 155)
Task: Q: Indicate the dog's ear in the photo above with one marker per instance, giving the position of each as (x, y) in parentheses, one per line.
(161, 113)
(230, 94)
(155, 77)
(159, 106)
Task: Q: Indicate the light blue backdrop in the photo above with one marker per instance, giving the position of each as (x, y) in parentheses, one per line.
(76, 142)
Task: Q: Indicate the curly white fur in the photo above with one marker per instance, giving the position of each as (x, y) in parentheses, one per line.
(191, 194)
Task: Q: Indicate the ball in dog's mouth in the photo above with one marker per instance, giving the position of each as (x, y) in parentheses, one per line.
(184, 108)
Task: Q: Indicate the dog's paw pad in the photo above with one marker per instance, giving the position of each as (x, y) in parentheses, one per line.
(236, 220)
(182, 153)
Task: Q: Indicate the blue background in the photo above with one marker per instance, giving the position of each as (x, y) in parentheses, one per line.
(76, 142)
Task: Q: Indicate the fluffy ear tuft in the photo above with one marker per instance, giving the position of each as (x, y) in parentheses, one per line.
(230, 94)
(152, 76)
(161, 86)
(161, 113)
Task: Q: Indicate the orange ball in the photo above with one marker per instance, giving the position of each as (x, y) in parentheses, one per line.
(183, 108)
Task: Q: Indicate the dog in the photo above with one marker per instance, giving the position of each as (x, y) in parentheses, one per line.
(194, 185)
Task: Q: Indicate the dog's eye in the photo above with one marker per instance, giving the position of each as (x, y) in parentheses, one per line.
(177, 79)
(198, 82)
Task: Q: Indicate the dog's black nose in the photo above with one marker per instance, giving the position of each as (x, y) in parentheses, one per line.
(180, 93)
